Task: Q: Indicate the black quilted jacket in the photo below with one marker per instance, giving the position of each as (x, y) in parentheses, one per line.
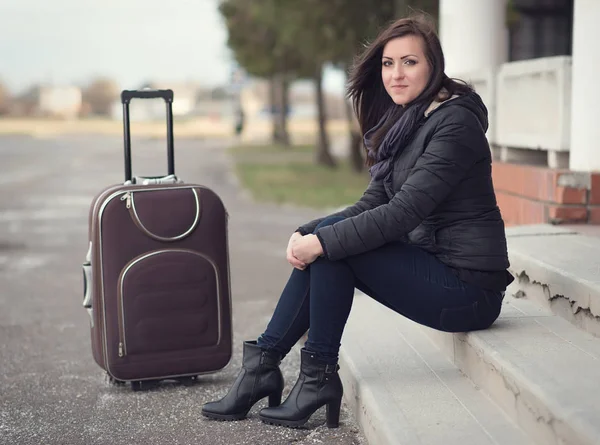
(439, 197)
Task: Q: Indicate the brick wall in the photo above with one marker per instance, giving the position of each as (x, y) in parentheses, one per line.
(533, 195)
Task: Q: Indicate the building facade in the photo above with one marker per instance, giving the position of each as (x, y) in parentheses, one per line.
(536, 64)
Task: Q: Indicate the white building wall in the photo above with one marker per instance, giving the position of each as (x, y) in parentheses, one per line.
(475, 42)
(473, 34)
(585, 127)
(533, 105)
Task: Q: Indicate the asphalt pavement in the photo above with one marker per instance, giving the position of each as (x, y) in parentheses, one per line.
(51, 390)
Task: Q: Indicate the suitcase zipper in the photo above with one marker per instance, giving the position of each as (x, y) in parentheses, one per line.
(127, 198)
(121, 319)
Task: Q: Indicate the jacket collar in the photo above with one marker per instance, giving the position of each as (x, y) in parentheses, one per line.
(438, 101)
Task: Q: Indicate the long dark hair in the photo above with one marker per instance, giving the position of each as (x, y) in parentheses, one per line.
(365, 87)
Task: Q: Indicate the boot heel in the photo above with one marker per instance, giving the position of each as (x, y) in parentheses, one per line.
(275, 399)
(333, 413)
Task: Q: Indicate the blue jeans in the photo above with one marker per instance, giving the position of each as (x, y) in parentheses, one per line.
(405, 278)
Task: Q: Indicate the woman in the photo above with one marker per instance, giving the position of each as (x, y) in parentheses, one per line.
(426, 239)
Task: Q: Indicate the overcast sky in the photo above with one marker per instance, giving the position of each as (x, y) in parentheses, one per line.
(65, 41)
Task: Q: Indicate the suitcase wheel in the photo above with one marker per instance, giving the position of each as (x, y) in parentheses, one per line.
(188, 381)
(142, 385)
(114, 381)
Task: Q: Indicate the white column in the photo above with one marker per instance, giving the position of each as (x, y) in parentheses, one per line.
(585, 127)
(473, 34)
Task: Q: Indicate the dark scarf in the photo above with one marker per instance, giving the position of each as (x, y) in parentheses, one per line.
(395, 139)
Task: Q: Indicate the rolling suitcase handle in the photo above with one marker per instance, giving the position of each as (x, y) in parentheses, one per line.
(167, 96)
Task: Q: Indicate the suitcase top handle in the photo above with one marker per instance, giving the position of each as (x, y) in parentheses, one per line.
(167, 96)
(130, 204)
(127, 95)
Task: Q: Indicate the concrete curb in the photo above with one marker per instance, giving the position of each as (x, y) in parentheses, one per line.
(558, 269)
(403, 391)
(541, 371)
(535, 373)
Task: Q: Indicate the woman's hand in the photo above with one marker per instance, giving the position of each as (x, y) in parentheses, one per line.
(290, 256)
(307, 249)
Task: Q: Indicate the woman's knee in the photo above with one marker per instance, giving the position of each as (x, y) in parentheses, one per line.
(329, 221)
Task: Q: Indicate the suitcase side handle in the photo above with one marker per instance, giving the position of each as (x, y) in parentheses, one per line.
(167, 96)
(87, 285)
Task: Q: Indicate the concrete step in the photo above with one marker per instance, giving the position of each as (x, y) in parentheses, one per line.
(404, 391)
(540, 369)
(559, 269)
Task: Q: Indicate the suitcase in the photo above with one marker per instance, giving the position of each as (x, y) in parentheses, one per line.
(156, 275)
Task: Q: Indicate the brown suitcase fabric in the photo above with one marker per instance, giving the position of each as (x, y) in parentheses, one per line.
(161, 304)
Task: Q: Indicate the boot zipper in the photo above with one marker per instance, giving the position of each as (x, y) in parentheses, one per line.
(258, 372)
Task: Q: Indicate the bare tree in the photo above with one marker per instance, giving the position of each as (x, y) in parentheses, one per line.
(4, 99)
(100, 94)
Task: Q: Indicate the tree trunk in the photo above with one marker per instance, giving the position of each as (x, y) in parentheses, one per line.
(278, 100)
(283, 111)
(272, 107)
(355, 149)
(324, 156)
(357, 161)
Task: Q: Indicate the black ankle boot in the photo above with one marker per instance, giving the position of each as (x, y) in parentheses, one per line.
(318, 384)
(260, 377)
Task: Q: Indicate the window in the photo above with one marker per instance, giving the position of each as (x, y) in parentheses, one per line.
(540, 28)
